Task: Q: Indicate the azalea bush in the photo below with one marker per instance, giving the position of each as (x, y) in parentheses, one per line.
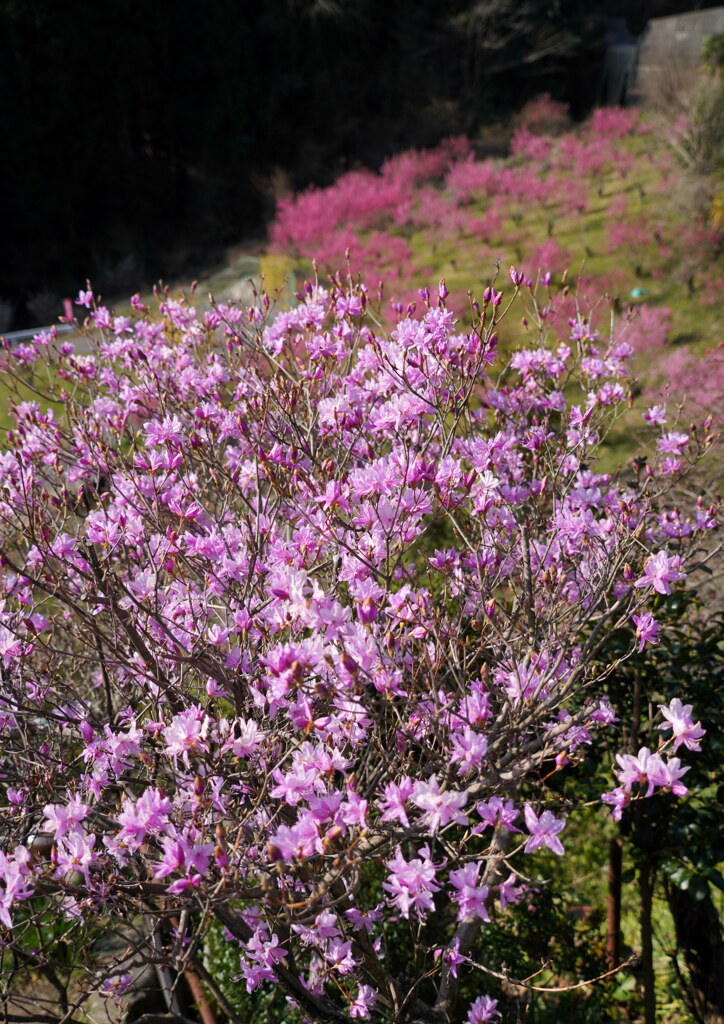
(299, 616)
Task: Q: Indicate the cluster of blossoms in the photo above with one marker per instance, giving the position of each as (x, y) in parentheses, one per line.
(289, 600)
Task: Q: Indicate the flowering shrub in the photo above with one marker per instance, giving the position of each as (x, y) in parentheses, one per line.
(699, 381)
(297, 616)
(359, 199)
(647, 328)
(544, 115)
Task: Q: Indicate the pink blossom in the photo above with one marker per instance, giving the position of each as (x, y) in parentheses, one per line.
(680, 720)
(469, 896)
(441, 807)
(498, 812)
(660, 571)
(647, 630)
(673, 443)
(187, 733)
(65, 818)
(543, 830)
(655, 415)
(75, 852)
(482, 1010)
(618, 798)
(363, 1002)
(412, 884)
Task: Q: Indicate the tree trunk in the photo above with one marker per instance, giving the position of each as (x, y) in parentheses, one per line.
(699, 936)
(613, 929)
(646, 892)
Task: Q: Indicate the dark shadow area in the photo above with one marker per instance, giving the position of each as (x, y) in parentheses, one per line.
(142, 139)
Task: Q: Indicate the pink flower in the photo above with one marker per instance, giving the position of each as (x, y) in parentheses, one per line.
(62, 819)
(509, 892)
(469, 896)
(148, 814)
(364, 918)
(482, 1011)
(543, 831)
(363, 1003)
(497, 811)
(656, 415)
(393, 803)
(75, 853)
(440, 807)
(187, 733)
(617, 799)
(295, 842)
(673, 443)
(679, 719)
(647, 629)
(650, 770)
(451, 957)
(114, 987)
(645, 767)
(412, 883)
(660, 571)
(469, 748)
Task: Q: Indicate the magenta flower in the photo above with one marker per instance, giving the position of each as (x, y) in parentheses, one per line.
(680, 720)
(644, 768)
(65, 818)
(187, 734)
(469, 748)
(412, 884)
(660, 572)
(115, 986)
(148, 814)
(617, 799)
(497, 811)
(482, 1011)
(671, 774)
(509, 892)
(469, 896)
(364, 918)
(673, 443)
(647, 630)
(363, 1003)
(393, 803)
(652, 771)
(14, 875)
(451, 957)
(543, 831)
(440, 807)
(75, 853)
(655, 415)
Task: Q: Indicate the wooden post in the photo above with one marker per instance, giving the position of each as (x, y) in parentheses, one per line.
(613, 929)
(646, 893)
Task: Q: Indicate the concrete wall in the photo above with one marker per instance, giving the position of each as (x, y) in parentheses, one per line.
(670, 51)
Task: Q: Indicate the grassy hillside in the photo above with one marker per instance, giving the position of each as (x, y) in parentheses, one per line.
(607, 205)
